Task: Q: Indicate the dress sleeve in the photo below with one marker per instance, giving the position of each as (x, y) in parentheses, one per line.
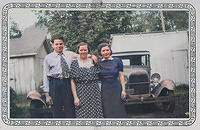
(120, 65)
(73, 69)
(97, 66)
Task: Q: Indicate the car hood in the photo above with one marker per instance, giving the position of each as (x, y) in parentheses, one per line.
(137, 73)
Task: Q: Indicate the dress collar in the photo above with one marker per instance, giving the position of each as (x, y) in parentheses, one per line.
(110, 58)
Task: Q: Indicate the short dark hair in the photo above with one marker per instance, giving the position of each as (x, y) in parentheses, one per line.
(56, 37)
(82, 44)
(100, 46)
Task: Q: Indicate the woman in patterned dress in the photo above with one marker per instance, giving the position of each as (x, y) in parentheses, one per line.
(84, 84)
(112, 89)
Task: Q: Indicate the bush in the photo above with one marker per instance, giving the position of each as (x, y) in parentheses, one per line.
(13, 106)
(182, 90)
(182, 87)
(18, 105)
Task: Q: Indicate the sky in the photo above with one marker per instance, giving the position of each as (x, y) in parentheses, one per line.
(23, 17)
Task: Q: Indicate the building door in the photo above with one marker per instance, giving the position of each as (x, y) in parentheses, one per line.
(181, 66)
(12, 76)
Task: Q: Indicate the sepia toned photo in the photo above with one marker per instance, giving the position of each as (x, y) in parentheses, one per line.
(98, 64)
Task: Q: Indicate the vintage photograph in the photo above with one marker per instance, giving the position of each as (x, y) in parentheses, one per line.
(99, 64)
(152, 45)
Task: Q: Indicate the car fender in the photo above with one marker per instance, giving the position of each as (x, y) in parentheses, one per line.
(35, 95)
(168, 84)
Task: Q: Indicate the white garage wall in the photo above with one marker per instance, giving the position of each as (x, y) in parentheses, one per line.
(169, 52)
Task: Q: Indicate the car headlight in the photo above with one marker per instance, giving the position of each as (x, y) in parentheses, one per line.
(155, 77)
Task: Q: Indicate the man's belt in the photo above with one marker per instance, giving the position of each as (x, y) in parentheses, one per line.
(58, 76)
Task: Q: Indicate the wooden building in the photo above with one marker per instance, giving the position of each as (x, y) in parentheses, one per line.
(26, 59)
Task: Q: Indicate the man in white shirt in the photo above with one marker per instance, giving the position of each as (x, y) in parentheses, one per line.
(56, 82)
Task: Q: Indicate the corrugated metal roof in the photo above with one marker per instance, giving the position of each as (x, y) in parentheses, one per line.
(31, 40)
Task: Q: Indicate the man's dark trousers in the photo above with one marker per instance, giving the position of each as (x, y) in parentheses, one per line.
(61, 94)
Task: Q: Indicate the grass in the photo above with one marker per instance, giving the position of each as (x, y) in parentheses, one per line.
(18, 105)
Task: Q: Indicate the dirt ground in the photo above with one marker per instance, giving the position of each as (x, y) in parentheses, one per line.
(156, 111)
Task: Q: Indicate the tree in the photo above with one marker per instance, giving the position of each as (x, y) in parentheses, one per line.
(14, 30)
(94, 27)
(176, 20)
(147, 21)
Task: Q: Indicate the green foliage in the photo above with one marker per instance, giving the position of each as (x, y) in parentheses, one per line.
(182, 87)
(14, 31)
(18, 105)
(13, 106)
(182, 90)
(95, 27)
(176, 20)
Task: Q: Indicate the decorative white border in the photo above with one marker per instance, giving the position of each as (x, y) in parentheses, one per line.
(97, 122)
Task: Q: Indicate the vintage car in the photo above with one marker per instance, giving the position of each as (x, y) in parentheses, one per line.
(142, 86)
(38, 107)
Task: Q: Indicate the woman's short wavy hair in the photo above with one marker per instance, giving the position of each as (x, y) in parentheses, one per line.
(100, 46)
(82, 44)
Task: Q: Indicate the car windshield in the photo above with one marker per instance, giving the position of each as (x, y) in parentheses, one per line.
(135, 60)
